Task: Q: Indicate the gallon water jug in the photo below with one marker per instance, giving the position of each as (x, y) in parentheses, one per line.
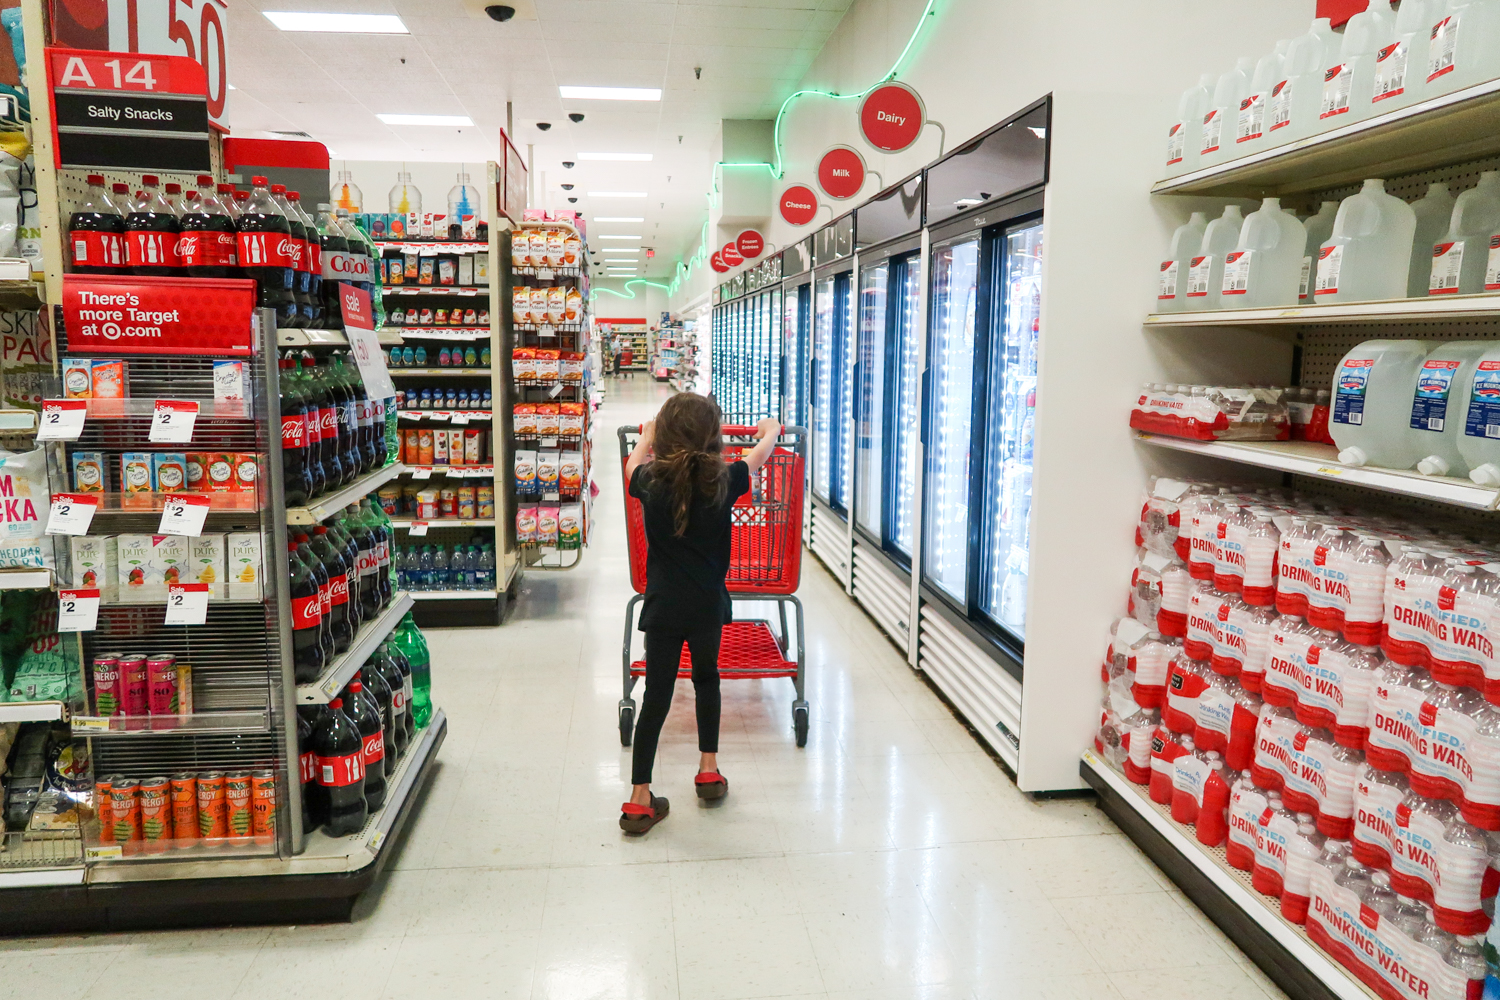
(1298, 98)
(1400, 63)
(1171, 293)
(1264, 268)
(1434, 213)
(1254, 120)
(1206, 276)
(1319, 228)
(1444, 384)
(1371, 419)
(1464, 45)
(1353, 73)
(1369, 254)
(1480, 442)
(1185, 137)
(1460, 260)
(1223, 113)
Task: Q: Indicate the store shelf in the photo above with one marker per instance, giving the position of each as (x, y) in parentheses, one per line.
(197, 724)
(463, 416)
(208, 409)
(331, 503)
(441, 246)
(391, 335)
(26, 579)
(311, 338)
(552, 440)
(30, 711)
(1453, 128)
(467, 291)
(404, 523)
(455, 595)
(1320, 461)
(146, 503)
(1436, 307)
(1234, 885)
(159, 597)
(454, 471)
(440, 371)
(370, 635)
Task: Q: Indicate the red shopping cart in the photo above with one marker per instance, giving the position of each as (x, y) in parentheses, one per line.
(765, 565)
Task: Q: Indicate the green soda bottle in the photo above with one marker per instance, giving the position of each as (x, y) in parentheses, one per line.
(408, 639)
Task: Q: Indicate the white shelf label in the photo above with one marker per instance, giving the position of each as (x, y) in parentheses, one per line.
(106, 853)
(71, 513)
(172, 421)
(62, 419)
(544, 274)
(77, 610)
(421, 474)
(187, 604)
(183, 514)
(549, 442)
(418, 529)
(460, 418)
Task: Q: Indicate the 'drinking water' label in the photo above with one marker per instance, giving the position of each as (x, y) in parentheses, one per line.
(1252, 119)
(1176, 140)
(1447, 262)
(1338, 82)
(1330, 264)
(1237, 272)
(1281, 105)
(1352, 380)
(1213, 129)
(1168, 288)
(1390, 72)
(1199, 269)
(1429, 405)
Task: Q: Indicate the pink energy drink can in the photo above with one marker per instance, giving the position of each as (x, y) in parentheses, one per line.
(161, 679)
(134, 688)
(108, 689)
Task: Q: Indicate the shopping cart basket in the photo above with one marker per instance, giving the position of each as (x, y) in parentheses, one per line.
(765, 565)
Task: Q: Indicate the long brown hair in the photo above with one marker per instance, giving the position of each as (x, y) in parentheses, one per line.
(689, 459)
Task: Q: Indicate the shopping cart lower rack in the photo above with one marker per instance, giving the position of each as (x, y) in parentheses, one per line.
(765, 566)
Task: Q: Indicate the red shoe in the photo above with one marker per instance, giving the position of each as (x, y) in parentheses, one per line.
(711, 785)
(639, 819)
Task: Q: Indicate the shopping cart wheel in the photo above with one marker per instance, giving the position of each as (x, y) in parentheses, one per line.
(799, 723)
(627, 722)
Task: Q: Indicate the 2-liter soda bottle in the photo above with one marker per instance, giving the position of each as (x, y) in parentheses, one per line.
(96, 233)
(341, 771)
(266, 252)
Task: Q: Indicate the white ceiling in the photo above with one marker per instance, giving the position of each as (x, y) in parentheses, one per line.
(457, 61)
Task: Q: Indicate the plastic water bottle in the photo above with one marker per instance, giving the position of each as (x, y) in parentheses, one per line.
(1443, 383)
(1185, 137)
(1206, 275)
(1253, 124)
(1460, 260)
(1219, 122)
(1172, 287)
(1264, 267)
(1464, 47)
(440, 577)
(1480, 442)
(426, 569)
(484, 578)
(1370, 423)
(1296, 100)
(1369, 254)
(1319, 228)
(1434, 212)
(471, 558)
(1347, 81)
(1401, 62)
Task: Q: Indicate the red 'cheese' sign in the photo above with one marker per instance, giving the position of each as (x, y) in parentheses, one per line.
(799, 205)
(717, 263)
(891, 117)
(750, 244)
(118, 314)
(730, 254)
(841, 172)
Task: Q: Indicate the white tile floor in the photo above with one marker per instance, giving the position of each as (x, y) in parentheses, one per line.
(891, 858)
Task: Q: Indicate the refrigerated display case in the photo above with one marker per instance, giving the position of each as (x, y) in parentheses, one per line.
(831, 394)
(796, 331)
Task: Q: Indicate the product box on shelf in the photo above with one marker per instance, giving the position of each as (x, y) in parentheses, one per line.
(95, 561)
(207, 562)
(244, 565)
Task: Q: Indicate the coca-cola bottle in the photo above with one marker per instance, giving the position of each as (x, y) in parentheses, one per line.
(361, 268)
(336, 264)
(346, 415)
(226, 198)
(266, 252)
(207, 244)
(342, 623)
(329, 449)
(365, 715)
(314, 798)
(384, 542)
(300, 256)
(151, 231)
(96, 233)
(369, 561)
(341, 770)
(402, 728)
(380, 692)
(313, 419)
(308, 658)
(404, 666)
(325, 592)
(125, 202)
(296, 476)
(349, 549)
(313, 258)
(364, 435)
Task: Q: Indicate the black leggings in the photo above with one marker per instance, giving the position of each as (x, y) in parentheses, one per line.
(663, 654)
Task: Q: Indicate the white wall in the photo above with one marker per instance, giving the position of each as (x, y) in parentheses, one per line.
(1114, 70)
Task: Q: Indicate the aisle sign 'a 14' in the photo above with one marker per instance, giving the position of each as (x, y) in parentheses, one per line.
(841, 172)
(799, 205)
(891, 117)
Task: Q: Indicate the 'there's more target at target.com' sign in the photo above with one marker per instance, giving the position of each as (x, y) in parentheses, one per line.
(131, 315)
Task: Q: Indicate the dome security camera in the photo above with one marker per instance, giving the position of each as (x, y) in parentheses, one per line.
(567, 164)
(500, 12)
(575, 117)
(572, 201)
(544, 126)
(566, 187)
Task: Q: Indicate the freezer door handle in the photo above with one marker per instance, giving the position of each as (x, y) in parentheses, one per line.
(925, 408)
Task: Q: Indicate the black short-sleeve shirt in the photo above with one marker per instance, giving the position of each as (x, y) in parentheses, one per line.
(685, 588)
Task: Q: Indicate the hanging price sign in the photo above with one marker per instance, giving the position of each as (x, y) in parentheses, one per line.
(187, 604)
(71, 513)
(77, 610)
(62, 419)
(183, 514)
(172, 421)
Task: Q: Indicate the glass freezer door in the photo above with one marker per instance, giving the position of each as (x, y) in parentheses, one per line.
(1005, 530)
(870, 400)
(794, 322)
(824, 375)
(906, 286)
(843, 347)
(945, 537)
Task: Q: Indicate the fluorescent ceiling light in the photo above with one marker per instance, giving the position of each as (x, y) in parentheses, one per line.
(609, 93)
(372, 24)
(620, 250)
(617, 194)
(613, 237)
(619, 157)
(617, 218)
(463, 121)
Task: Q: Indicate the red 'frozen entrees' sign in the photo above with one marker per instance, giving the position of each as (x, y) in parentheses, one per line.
(118, 314)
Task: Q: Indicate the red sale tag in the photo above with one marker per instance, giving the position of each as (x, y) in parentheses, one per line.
(77, 610)
(172, 421)
(62, 419)
(183, 514)
(72, 513)
(187, 604)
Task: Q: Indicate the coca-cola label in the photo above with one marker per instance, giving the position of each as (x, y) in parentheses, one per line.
(206, 248)
(266, 250)
(373, 750)
(308, 766)
(329, 416)
(315, 257)
(307, 612)
(367, 562)
(325, 598)
(338, 266)
(383, 555)
(339, 772)
(338, 589)
(95, 249)
(298, 253)
(146, 248)
(398, 702)
(293, 432)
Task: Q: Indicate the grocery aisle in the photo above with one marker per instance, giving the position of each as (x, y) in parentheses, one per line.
(890, 858)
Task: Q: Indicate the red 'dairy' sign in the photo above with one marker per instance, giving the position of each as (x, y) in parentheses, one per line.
(891, 117)
(799, 205)
(717, 263)
(118, 314)
(841, 172)
(750, 244)
(356, 306)
(730, 254)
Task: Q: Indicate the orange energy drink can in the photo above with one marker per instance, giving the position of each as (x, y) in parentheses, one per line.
(237, 793)
(156, 815)
(125, 813)
(102, 811)
(263, 806)
(212, 826)
(184, 810)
